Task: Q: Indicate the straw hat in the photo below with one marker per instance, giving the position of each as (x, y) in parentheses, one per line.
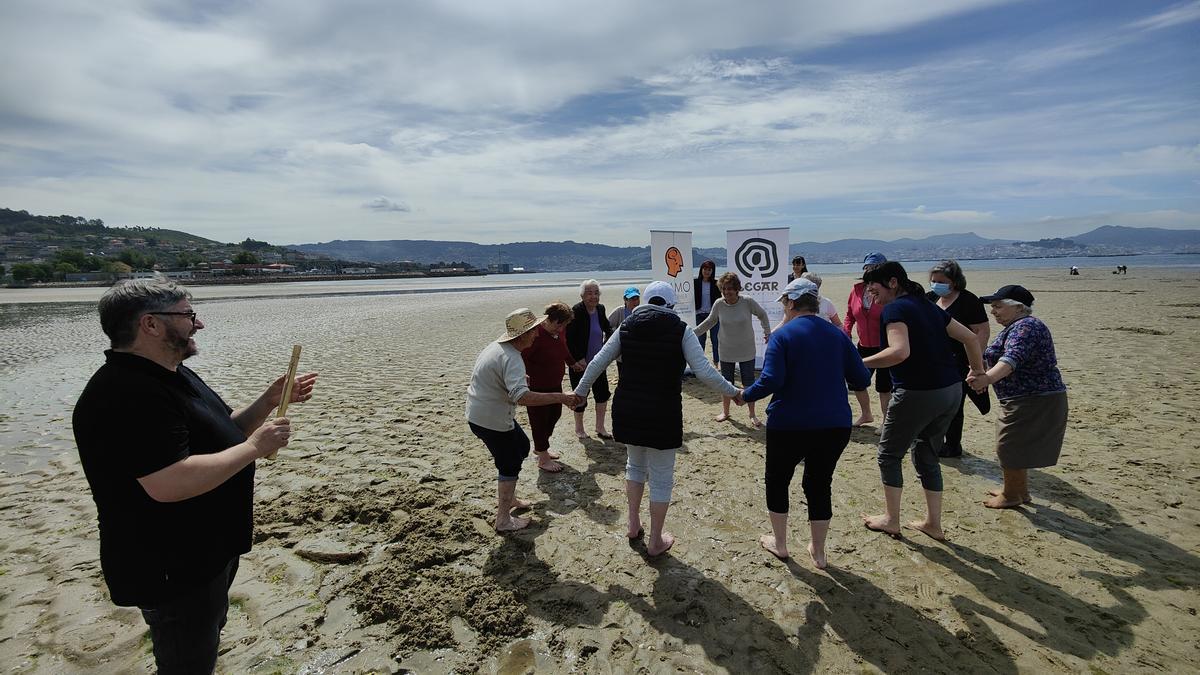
(518, 323)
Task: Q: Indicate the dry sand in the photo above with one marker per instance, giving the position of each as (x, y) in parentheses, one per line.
(373, 550)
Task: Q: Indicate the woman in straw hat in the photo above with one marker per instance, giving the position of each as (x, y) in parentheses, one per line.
(498, 386)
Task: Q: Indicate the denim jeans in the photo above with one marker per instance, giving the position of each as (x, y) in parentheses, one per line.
(186, 630)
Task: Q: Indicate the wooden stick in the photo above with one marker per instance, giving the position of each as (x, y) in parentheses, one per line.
(287, 387)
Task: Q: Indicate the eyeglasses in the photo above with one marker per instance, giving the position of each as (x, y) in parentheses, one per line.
(190, 315)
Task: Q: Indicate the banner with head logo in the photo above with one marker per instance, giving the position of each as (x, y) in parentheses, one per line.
(760, 259)
(671, 261)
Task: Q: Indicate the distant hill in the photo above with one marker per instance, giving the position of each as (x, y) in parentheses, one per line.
(571, 255)
(1115, 235)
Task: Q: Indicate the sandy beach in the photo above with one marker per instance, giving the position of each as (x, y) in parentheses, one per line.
(373, 550)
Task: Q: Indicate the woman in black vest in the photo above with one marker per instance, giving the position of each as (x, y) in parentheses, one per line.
(654, 343)
(586, 334)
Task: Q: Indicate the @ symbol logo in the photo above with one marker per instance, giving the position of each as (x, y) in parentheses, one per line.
(757, 256)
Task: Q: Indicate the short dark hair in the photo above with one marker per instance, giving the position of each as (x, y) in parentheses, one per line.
(953, 272)
(731, 280)
(893, 270)
(657, 300)
(126, 301)
(559, 312)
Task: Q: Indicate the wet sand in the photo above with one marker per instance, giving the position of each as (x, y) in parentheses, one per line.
(373, 549)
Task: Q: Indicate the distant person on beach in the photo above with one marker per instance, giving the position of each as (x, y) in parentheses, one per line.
(498, 385)
(633, 298)
(648, 407)
(1074, 271)
(171, 469)
(1121, 269)
(1023, 369)
(735, 314)
(585, 336)
(706, 292)
(948, 290)
(806, 368)
(862, 311)
(546, 360)
(927, 391)
(799, 267)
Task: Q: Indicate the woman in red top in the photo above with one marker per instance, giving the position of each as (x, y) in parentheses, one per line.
(546, 362)
(866, 314)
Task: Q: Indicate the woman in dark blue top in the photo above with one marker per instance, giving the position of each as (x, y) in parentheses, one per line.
(807, 365)
(926, 392)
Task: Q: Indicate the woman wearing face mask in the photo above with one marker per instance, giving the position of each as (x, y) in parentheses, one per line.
(1023, 368)
(949, 291)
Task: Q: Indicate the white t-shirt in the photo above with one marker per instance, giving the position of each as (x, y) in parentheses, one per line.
(827, 309)
(497, 383)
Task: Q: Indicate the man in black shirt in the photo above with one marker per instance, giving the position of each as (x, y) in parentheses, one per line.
(171, 468)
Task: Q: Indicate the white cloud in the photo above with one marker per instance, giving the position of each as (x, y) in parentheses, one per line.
(949, 215)
(1185, 12)
(275, 119)
(385, 204)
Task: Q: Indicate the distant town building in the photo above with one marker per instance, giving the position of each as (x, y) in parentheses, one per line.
(358, 270)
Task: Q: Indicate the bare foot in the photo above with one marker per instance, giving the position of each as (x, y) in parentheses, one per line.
(553, 455)
(1002, 502)
(658, 548)
(518, 504)
(768, 542)
(881, 523)
(550, 466)
(634, 531)
(818, 557)
(864, 420)
(603, 433)
(754, 421)
(1025, 498)
(934, 532)
(721, 418)
(512, 524)
(581, 434)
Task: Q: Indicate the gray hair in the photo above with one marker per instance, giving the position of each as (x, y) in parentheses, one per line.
(1026, 309)
(807, 302)
(590, 282)
(126, 301)
(813, 277)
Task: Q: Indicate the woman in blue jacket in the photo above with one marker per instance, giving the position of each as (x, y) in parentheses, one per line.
(807, 365)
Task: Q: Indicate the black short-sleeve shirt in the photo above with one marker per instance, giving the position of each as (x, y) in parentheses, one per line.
(930, 364)
(134, 418)
(967, 310)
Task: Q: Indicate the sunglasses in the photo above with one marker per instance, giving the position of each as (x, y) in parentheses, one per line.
(190, 315)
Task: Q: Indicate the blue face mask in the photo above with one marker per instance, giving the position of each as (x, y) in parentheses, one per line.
(941, 290)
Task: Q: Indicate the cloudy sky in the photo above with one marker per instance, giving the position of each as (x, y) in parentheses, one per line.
(557, 119)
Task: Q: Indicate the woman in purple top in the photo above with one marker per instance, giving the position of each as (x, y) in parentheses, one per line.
(586, 334)
(1023, 369)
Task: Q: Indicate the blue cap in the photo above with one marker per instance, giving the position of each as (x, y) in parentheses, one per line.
(874, 259)
(632, 292)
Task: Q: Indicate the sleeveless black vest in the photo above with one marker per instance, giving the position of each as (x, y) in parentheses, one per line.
(648, 405)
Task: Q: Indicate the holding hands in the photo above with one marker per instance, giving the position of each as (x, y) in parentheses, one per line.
(737, 398)
(978, 381)
(572, 401)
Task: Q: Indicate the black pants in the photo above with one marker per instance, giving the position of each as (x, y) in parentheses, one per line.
(186, 630)
(599, 388)
(953, 445)
(509, 448)
(819, 449)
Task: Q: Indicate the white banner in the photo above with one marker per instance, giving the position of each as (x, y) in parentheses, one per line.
(671, 261)
(760, 258)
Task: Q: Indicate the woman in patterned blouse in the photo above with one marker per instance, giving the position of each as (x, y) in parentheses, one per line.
(1023, 369)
